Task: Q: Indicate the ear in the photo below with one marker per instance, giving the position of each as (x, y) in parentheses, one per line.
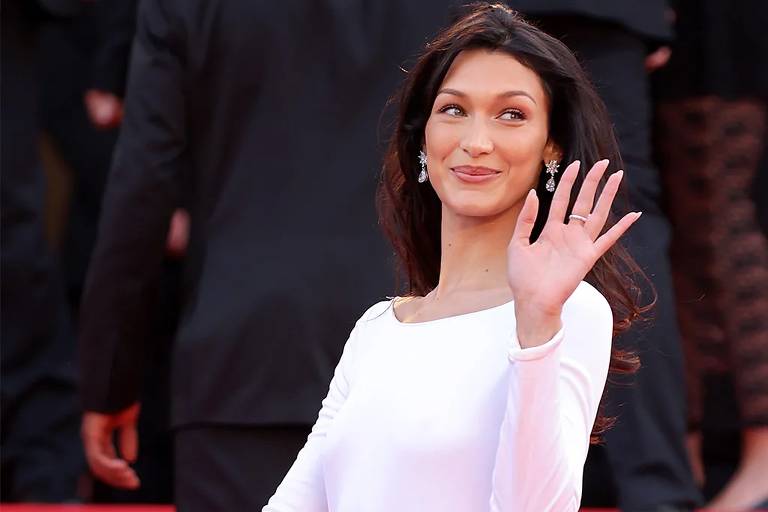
(552, 152)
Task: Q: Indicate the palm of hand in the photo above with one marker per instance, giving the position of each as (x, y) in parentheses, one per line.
(545, 273)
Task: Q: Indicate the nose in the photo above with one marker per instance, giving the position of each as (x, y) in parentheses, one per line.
(477, 141)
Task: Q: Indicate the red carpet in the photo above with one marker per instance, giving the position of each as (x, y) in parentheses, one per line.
(139, 508)
(134, 508)
(84, 508)
(125, 508)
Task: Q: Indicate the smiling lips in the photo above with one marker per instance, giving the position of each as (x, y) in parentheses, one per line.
(472, 174)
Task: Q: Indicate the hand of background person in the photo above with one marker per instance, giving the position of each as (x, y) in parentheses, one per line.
(658, 59)
(105, 110)
(98, 431)
(178, 234)
(542, 275)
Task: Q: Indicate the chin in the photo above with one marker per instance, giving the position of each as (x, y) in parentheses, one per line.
(476, 206)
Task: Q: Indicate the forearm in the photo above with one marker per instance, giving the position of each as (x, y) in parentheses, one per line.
(534, 467)
(554, 393)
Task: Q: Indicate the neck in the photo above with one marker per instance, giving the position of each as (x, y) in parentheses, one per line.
(474, 253)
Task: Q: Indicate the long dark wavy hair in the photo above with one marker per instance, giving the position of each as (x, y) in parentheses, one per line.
(410, 213)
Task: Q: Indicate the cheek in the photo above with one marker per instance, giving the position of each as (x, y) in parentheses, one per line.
(440, 140)
(521, 147)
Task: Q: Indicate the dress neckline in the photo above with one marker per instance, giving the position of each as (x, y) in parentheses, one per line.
(445, 318)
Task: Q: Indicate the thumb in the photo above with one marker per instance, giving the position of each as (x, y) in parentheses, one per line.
(129, 442)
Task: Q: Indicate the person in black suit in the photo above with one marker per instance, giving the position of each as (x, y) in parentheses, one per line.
(83, 61)
(41, 460)
(644, 452)
(263, 121)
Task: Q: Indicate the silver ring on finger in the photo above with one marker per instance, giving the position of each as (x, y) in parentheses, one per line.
(573, 216)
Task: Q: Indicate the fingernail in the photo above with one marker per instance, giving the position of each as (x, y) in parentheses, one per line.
(619, 173)
(605, 160)
(638, 214)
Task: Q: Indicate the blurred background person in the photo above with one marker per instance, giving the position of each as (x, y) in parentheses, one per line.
(41, 460)
(642, 465)
(84, 62)
(64, 73)
(712, 133)
(262, 121)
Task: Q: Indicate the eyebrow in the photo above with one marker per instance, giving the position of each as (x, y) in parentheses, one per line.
(505, 94)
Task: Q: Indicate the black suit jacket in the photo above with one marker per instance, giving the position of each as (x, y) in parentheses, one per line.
(647, 18)
(263, 119)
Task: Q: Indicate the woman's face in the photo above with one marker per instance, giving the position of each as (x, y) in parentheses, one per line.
(486, 139)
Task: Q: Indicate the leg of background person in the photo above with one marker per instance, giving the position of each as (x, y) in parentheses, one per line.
(232, 468)
(742, 270)
(646, 449)
(760, 196)
(41, 457)
(759, 186)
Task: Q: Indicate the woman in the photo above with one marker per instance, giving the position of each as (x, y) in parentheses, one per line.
(479, 390)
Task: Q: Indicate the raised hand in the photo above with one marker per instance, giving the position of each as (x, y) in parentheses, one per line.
(543, 274)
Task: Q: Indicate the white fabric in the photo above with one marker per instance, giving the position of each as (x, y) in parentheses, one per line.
(451, 415)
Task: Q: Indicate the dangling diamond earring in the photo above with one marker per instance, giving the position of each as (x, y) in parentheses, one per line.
(551, 166)
(423, 161)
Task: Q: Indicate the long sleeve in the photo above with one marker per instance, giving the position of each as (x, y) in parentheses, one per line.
(554, 394)
(116, 27)
(303, 488)
(142, 191)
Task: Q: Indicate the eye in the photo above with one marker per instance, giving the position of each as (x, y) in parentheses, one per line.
(452, 110)
(512, 114)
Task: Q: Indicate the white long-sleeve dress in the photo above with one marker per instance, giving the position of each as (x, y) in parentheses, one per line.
(451, 415)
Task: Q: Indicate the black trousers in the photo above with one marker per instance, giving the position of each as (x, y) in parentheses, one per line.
(643, 464)
(232, 467)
